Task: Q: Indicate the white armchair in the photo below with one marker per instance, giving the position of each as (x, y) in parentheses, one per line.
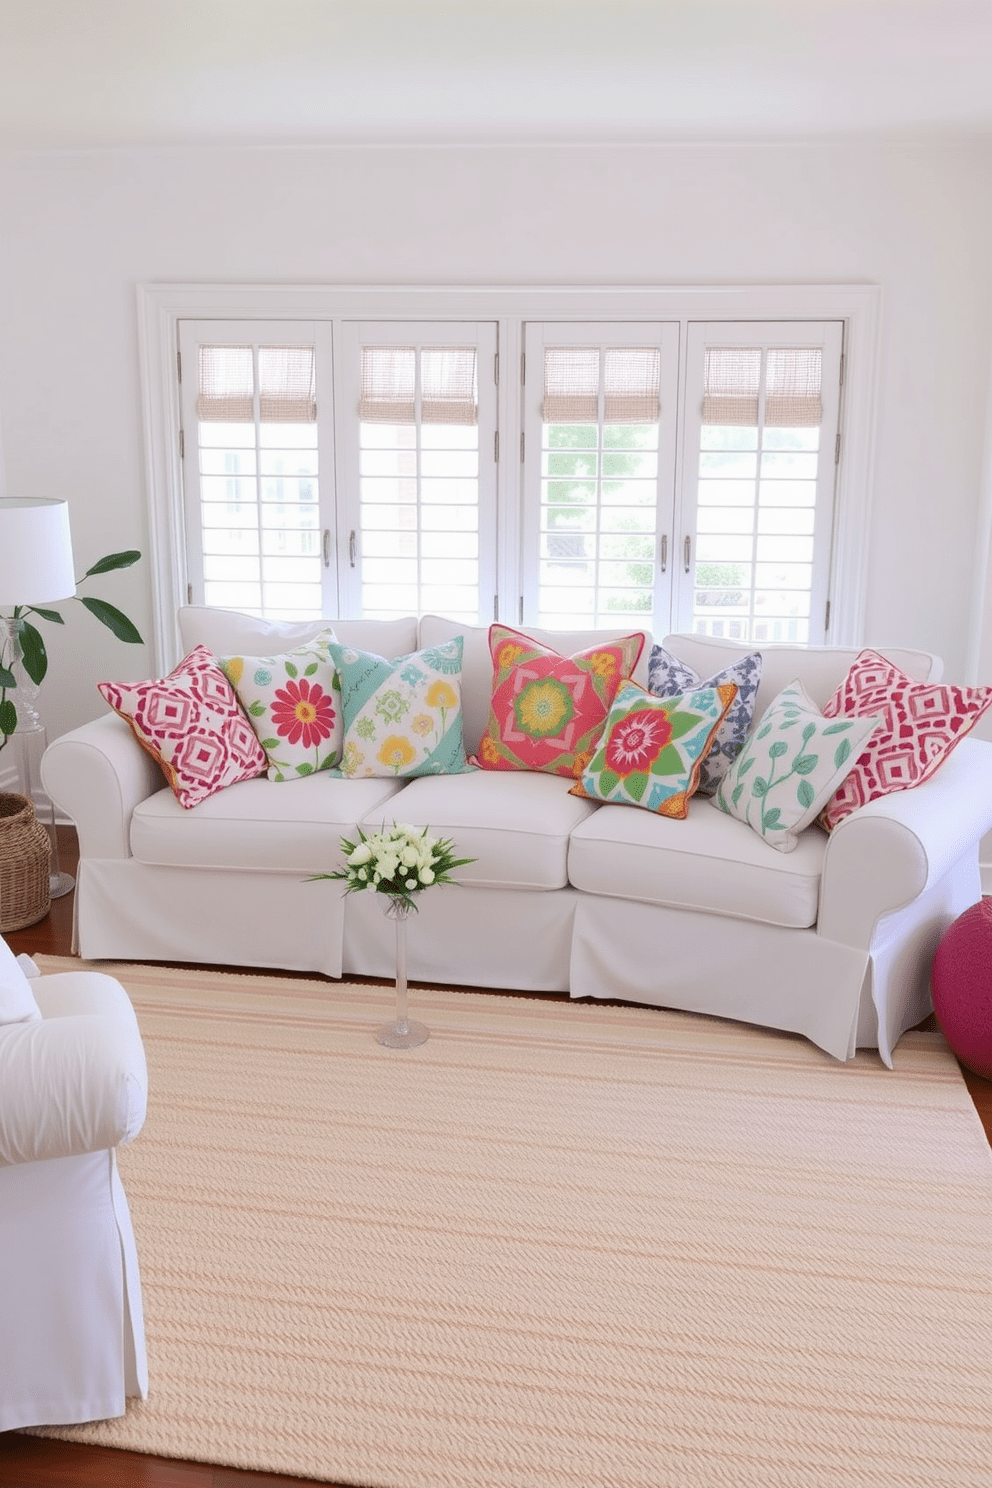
(73, 1086)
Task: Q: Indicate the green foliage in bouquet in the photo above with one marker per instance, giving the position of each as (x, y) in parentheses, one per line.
(31, 645)
(401, 861)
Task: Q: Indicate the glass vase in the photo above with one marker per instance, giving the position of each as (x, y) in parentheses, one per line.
(24, 694)
(402, 1033)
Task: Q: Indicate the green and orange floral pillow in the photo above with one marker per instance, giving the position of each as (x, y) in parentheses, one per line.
(547, 710)
(402, 717)
(652, 749)
(293, 702)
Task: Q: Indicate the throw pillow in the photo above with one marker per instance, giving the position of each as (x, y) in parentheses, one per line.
(294, 704)
(790, 767)
(921, 724)
(17, 1000)
(192, 724)
(547, 711)
(401, 717)
(667, 677)
(652, 748)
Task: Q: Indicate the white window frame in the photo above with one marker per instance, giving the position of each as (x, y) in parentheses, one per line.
(161, 306)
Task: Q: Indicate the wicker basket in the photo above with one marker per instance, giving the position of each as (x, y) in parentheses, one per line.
(25, 854)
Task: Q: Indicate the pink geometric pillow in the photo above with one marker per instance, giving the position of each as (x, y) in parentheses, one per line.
(923, 721)
(191, 723)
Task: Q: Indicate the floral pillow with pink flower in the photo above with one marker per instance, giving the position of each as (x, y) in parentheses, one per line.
(294, 704)
(652, 748)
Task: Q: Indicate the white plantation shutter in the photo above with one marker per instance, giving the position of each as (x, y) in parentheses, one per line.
(599, 470)
(758, 506)
(424, 472)
(254, 519)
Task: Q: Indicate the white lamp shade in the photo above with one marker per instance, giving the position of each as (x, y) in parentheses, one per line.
(35, 552)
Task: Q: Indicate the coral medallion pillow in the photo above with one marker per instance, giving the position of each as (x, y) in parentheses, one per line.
(547, 711)
(192, 724)
(921, 722)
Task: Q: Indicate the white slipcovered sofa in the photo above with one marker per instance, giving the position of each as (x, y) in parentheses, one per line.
(73, 1086)
(833, 940)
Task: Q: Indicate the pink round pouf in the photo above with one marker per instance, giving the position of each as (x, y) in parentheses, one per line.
(961, 982)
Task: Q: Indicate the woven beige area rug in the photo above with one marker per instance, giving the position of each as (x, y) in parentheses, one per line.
(558, 1244)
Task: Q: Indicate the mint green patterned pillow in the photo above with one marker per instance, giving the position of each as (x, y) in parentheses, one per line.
(402, 717)
(293, 702)
(790, 767)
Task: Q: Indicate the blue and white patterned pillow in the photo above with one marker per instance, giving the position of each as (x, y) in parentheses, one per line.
(668, 676)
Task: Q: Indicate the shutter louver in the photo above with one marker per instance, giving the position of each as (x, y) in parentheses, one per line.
(631, 385)
(287, 385)
(448, 393)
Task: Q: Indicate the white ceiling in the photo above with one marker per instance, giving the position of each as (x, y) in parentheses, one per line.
(77, 73)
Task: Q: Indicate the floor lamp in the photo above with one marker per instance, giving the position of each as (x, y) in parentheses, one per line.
(36, 568)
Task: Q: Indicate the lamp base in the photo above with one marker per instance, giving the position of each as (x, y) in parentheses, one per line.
(60, 884)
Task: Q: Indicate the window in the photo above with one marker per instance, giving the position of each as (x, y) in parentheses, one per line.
(761, 423)
(600, 472)
(631, 457)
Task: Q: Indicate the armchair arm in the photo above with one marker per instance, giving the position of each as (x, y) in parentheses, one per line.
(886, 854)
(97, 774)
(76, 1081)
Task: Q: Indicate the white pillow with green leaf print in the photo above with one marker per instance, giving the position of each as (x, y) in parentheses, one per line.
(294, 704)
(790, 767)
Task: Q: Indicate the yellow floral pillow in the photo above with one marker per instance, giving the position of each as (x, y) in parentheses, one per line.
(548, 711)
(402, 717)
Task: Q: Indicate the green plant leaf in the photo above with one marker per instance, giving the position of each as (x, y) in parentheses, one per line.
(637, 784)
(608, 782)
(776, 750)
(766, 729)
(112, 561)
(842, 753)
(292, 670)
(736, 793)
(771, 818)
(52, 615)
(311, 669)
(35, 655)
(759, 785)
(8, 718)
(805, 764)
(270, 743)
(7, 678)
(745, 765)
(838, 728)
(806, 794)
(112, 618)
(304, 769)
(256, 709)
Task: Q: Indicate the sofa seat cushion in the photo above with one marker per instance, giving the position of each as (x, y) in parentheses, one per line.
(708, 862)
(264, 825)
(515, 824)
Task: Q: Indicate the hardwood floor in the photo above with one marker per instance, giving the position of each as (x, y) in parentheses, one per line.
(32, 1462)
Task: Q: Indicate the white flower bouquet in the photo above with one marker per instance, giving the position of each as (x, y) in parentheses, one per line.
(400, 861)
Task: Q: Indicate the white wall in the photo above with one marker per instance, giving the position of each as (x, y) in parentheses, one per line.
(78, 231)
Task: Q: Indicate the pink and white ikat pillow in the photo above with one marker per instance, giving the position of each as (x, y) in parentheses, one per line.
(921, 722)
(191, 722)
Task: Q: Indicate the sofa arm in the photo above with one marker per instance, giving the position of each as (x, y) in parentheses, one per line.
(97, 775)
(76, 1081)
(885, 854)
